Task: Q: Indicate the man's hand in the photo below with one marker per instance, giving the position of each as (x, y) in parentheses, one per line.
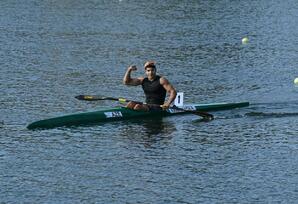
(132, 68)
(165, 106)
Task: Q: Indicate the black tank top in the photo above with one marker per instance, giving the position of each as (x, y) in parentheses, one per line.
(155, 93)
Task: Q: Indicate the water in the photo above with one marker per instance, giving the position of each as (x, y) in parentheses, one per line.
(53, 50)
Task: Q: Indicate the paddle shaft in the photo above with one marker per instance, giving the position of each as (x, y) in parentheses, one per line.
(99, 98)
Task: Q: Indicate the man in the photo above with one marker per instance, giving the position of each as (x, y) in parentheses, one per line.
(155, 88)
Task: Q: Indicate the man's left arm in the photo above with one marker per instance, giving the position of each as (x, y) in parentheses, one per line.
(170, 89)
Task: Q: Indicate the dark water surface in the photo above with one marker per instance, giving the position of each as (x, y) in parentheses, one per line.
(53, 50)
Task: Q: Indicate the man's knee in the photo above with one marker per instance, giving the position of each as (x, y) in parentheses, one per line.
(131, 105)
(137, 107)
(140, 107)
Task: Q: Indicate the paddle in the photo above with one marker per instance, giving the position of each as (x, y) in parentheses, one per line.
(99, 98)
(205, 115)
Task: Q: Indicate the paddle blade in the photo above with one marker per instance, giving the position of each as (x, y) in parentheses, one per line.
(85, 97)
(93, 98)
(204, 115)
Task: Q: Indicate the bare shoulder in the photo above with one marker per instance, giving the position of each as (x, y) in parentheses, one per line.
(167, 85)
(163, 80)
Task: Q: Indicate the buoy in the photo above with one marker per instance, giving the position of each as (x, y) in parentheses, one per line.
(244, 40)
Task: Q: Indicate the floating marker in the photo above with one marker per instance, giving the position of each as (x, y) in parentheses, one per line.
(244, 40)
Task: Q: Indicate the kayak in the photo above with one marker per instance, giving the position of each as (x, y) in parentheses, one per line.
(122, 113)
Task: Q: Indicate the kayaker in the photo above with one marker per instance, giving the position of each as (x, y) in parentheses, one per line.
(155, 88)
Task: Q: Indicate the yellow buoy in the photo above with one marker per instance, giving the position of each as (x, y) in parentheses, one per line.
(244, 40)
(296, 81)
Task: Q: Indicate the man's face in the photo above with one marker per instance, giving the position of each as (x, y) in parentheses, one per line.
(150, 72)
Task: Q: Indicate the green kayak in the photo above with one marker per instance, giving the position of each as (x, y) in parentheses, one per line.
(121, 113)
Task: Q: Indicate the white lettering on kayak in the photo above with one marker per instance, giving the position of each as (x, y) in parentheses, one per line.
(189, 108)
(173, 110)
(115, 114)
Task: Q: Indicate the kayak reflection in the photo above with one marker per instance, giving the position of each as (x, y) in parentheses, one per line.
(148, 131)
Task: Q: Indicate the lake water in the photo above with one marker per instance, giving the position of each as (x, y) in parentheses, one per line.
(53, 50)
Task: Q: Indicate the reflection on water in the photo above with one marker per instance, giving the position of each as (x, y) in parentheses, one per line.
(272, 115)
(148, 131)
(281, 109)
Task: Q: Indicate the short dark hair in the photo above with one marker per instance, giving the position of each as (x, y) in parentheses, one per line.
(150, 64)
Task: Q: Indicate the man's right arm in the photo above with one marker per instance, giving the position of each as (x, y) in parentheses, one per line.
(127, 80)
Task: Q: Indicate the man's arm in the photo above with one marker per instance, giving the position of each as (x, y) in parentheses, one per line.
(127, 80)
(170, 89)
